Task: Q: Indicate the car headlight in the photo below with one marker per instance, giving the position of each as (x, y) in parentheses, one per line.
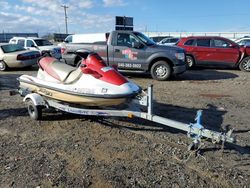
(180, 56)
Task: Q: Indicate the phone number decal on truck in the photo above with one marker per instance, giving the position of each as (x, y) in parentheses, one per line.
(129, 65)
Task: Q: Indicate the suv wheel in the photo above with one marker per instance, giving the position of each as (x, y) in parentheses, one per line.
(245, 64)
(161, 70)
(190, 61)
(3, 66)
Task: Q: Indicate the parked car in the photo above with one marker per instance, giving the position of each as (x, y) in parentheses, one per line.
(169, 41)
(157, 39)
(45, 47)
(245, 41)
(209, 50)
(13, 55)
(131, 51)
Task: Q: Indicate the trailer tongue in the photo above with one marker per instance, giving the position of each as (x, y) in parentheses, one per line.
(196, 131)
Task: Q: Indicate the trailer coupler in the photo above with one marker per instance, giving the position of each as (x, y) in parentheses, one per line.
(201, 132)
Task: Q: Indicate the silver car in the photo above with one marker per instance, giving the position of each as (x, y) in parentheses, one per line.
(169, 41)
(13, 55)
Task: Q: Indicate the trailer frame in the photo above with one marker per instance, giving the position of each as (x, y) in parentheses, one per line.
(196, 131)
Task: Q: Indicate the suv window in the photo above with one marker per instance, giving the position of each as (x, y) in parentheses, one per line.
(174, 40)
(29, 43)
(165, 41)
(189, 42)
(244, 42)
(218, 43)
(203, 42)
(20, 42)
(42, 42)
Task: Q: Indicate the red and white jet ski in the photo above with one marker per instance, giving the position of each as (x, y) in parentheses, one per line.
(93, 83)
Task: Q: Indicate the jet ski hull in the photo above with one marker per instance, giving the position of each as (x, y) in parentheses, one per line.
(72, 97)
(92, 84)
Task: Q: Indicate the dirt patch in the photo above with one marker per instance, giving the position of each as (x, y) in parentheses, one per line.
(73, 151)
(213, 96)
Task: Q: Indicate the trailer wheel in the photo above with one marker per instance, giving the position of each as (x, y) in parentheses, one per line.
(245, 64)
(34, 111)
(161, 70)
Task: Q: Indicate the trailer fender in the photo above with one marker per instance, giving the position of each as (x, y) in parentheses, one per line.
(36, 99)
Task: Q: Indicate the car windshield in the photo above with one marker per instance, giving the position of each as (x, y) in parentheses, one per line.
(145, 39)
(42, 42)
(11, 48)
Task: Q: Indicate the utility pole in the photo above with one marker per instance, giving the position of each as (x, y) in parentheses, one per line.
(65, 13)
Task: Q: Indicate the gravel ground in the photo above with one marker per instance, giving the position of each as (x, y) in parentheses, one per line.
(65, 150)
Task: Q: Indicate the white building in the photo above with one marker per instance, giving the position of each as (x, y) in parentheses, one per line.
(229, 35)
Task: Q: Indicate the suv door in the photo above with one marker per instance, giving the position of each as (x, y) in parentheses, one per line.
(202, 50)
(125, 55)
(225, 51)
(199, 48)
(30, 45)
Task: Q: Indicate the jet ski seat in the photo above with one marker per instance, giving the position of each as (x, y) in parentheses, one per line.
(58, 70)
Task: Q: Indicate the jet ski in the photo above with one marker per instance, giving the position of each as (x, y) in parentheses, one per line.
(93, 83)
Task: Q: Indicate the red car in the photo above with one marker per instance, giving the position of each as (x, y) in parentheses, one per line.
(208, 50)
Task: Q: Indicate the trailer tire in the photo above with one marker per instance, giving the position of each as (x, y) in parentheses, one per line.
(35, 112)
(245, 64)
(161, 71)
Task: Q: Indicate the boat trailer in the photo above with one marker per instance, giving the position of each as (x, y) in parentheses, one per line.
(196, 131)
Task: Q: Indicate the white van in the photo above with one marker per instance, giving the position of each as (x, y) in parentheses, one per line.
(87, 38)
